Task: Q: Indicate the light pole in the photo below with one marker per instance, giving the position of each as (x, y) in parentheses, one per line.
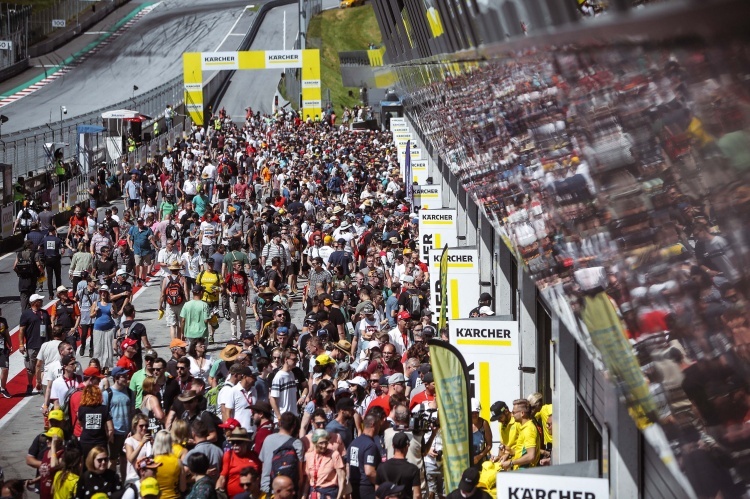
(63, 110)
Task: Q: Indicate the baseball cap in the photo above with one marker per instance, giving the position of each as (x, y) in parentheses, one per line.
(197, 289)
(324, 360)
(56, 415)
(396, 378)
(359, 381)
(67, 359)
(407, 278)
(428, 378)
(337, 296)
(424, 368)
(486, 311)
(368, 308)
(345, 403)
(118, 371)
(121, 272)
(485, 297)
(469, 480)
(150, 354)
(61, 289)
(283, 330)
(247, 335)
(475, 405)
(428, 331)
(55, 432)
(150, 487)
(177, 343)
(230, 424)
(128, 342)
(36, 297)
(497, 409)
(403, 315)
(388, 489)
(92, 372)
(248, 371)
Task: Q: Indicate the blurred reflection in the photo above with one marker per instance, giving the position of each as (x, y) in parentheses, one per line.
(619, 176)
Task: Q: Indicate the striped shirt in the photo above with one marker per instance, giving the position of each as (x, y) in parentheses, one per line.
(316, 278)
(271, 250)
(284, 390)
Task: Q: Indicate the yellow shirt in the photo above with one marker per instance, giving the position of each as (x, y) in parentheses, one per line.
(543, 416)
(168, 476)
(509, 433)
(528, 438)
(66, 489)
(211, 284)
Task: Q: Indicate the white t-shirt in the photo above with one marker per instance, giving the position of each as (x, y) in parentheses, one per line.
(55, 370)
(48, 353)
(242, 400)
(226, 397)
(210, 170)
(209, 233)
(284, 390)
(61, 386)
(146, 451)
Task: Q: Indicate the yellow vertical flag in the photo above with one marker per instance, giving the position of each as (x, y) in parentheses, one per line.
(443, 288)
(452, 392)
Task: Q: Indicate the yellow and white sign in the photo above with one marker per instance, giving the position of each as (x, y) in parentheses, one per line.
(491, 350)
(436, 229)
(217, 61)
(195, 63)
(415, 153)
(283, 59)
(512, 485)
(428, 197)
(463, 281)
(398, 121)
(420, 171)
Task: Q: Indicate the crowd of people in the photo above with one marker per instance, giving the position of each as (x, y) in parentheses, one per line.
(299, 234)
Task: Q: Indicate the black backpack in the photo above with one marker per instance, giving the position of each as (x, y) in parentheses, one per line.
(26, 267)
(284, 461)
(171, 232)
(414, 304)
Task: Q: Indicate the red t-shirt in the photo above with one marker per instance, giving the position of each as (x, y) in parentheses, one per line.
(231, 466)
(387, 370)
(383, 401)
(419, 398)
(236, 283)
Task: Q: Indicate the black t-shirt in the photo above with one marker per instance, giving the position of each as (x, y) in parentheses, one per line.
(400, 472)
(363, 451)
(406, 298)
(339, 259)
(135, 331)
(93, 421)
(336, 317)
(105, 268)
(116, 288)
(37, 326)
(4, 327)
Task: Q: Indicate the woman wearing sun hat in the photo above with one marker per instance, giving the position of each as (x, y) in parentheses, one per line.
(235, 460)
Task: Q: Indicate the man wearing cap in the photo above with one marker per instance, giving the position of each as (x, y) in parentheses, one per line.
(119, 400)
(508, 430)
(339, 317)
(143, 244)
(400, 471)
(177, 349)
(34, 330)
(237, 286)
(120, 292)
(129, 328)
(427, 395)
(365, 331)
(467, 487)
(262, 421)
(341, 257)
(53, 249)
(65, 314)
(136, 379)
(243, 397)
(128, 353)
(174, 292)
(399, 335)
(485, 300)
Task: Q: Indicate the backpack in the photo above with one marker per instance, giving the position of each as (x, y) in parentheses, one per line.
(65, 405)
(284, 461)
(414, 305)
(25, 267)
(171, 232)
(333, 185)
(174, 293)
(212, 399)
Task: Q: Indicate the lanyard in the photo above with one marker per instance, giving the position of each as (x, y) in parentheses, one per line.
(249, 399)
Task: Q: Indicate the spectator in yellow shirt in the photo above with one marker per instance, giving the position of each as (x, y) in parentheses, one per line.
(508, 430)
(542, 413)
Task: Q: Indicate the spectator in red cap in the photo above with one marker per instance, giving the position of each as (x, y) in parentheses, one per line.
(228, 426)
(399, 335)
(127, 361)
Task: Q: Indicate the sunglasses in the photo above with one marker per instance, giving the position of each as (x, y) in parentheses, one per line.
(319, 424)
(246, 485)
(276, 357)
(102, 459)
(181, 368)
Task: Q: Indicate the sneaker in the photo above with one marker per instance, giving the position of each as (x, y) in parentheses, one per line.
(81, 351)
(29, 389)
(5, 393)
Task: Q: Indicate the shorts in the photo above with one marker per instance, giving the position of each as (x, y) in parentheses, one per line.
(294, 269)
(172, 313)
(132, 203)
(31, 354)
(144, 259)
(117, 447)
(4, 361)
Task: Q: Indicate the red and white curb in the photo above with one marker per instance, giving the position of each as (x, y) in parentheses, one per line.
(65, 69)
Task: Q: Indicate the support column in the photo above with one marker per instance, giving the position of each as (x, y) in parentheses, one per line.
(501, 268)
(564, 414)
(527, 325)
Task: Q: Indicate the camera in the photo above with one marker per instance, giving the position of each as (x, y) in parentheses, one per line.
(423, 421)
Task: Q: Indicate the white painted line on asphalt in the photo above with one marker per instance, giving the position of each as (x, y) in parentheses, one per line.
(96, 32)
(233, 26)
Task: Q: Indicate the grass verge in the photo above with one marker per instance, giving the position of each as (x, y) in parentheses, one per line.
(341, 30)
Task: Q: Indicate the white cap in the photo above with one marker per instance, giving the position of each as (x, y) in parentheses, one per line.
(486, 311)
(359, 381)
(475, 405)
(36, 297)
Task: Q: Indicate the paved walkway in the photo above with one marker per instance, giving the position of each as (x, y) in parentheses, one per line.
(18, 428)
